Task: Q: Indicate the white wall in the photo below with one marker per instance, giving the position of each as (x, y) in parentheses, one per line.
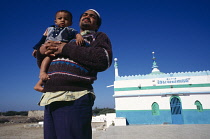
(145, 102)
(189, 101)
(141, 103)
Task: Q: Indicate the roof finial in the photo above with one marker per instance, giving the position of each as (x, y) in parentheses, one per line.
(154, 65)
(116, 67)
(153, 53)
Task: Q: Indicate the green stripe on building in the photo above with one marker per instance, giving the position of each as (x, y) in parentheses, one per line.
(161, 87)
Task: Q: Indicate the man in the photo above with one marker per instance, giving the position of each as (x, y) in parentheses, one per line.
(69, 96)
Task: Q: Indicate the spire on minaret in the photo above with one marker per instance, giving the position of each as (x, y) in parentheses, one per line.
(154, 66)
(116, 67)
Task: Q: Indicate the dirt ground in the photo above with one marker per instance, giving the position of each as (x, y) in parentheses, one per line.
(13, 128)
(18, 127)
(17, 131)
(22, 131)
(26, 131)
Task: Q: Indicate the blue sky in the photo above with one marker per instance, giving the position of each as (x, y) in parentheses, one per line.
(178, 31)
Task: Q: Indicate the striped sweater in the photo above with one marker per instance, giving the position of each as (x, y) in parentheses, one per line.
(76, 68)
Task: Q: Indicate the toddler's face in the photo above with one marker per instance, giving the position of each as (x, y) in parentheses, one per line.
(63, 19)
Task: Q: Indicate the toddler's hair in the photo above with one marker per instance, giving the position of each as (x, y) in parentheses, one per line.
(65, 11)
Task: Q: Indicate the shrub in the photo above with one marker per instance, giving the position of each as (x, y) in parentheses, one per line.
(3, 120)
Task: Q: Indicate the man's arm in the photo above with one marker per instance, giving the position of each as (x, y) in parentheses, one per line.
(97, 57)
(48, 49)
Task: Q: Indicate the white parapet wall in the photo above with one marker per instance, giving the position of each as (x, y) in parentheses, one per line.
(100, 118)
(120, 121)
(110, 118)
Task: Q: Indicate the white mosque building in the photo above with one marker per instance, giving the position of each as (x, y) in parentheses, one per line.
(163, 98)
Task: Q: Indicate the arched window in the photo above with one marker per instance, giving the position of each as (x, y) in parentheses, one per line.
(199, 106)
(155, 109)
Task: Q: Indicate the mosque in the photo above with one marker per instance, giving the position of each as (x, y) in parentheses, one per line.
(163, 98)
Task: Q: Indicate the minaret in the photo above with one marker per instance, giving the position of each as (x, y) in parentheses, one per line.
(154, 66)
(116, 67)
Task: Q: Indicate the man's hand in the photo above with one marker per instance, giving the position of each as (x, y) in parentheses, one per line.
(52, 48)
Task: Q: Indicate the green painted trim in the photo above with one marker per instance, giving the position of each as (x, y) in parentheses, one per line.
(155, 108)
(199, 106)
(161, 87)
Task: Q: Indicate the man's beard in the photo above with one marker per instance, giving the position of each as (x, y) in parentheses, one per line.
(85, 26)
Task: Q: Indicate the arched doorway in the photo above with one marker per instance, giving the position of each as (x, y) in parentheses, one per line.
(176, 110)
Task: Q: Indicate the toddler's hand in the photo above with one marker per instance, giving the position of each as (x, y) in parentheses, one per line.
(79, 40)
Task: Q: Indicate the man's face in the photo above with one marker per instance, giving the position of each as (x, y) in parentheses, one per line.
(88, 21)
(63, 19)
